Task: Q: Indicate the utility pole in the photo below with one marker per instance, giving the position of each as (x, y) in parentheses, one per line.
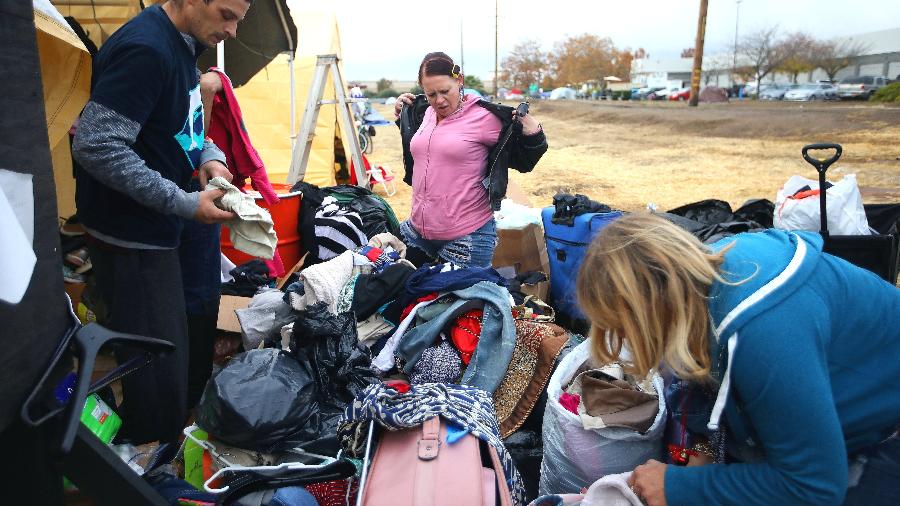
(737, 18)
(496, 44)
(698, 56)
(462, 55)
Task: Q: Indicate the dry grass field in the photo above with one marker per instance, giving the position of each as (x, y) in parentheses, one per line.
(630, 154)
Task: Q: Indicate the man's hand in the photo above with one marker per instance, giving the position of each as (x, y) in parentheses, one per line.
(207, 212)
(212, 169)
(648, 482)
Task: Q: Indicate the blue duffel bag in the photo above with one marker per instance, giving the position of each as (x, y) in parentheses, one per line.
(566, 246)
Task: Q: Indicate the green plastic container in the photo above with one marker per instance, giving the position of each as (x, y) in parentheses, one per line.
(100, 419)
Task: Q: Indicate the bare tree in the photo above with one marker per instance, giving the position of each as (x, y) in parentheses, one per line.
(525, 64)
(687, 52)
(763, 52)
(833, 56)
(798, 48)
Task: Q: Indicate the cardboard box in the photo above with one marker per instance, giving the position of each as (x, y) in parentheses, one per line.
(539, 290)
(227, 319)
(522, 248)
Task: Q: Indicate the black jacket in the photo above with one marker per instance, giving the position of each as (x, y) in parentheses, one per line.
(512, 151)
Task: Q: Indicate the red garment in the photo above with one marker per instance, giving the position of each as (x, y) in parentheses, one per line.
(226, 129)
(408, 309)
(570, 401)
(465, 333)
(332, 493)
(399, 385)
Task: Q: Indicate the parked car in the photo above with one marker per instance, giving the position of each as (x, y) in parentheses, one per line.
(776, 92)
(662, 94)
(680, 95)
(860, 87)
(643, 93)
(806, 92)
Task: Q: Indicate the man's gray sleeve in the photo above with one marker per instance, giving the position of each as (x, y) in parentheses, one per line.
(211, 152)
(102, 146)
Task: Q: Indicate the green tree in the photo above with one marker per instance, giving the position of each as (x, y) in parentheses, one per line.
(383, 84)
(474, 83)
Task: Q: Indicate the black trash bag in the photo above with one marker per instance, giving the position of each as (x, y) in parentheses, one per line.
(761, 211)
(327, 346)
(263, 400)
(709, 211)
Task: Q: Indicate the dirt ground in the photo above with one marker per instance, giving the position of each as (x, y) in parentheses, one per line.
(630, 154)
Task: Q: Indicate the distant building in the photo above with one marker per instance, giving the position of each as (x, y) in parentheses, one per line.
(881, 58)
(398, 86)
(661, 72)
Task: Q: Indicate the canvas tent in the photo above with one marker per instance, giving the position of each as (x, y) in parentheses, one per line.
(265, 102)
(562, 94)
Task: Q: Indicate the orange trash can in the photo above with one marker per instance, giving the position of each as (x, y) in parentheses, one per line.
(285, 214)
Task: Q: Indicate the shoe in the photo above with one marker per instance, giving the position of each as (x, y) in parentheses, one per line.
(72, 227)
(77, 257)
(70, 276)
(85, 267)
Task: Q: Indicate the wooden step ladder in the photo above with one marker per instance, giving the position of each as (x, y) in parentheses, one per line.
(303, 144)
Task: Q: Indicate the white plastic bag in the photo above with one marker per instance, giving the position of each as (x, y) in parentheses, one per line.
(846, 215)
(574, 457)
(513, 215)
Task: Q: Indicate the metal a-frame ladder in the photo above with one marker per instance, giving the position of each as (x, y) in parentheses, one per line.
(303, 144)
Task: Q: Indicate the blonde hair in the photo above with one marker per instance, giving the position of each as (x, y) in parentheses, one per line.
(645, 282)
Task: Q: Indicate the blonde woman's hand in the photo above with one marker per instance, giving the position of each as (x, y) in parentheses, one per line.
(648, 483)
(403, 99)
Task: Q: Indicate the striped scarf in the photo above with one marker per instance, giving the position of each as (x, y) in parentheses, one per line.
(337, 229)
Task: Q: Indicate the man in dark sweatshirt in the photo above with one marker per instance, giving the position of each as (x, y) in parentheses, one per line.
(139, 142)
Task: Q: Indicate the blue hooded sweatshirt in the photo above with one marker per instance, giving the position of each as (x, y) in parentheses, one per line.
(810, 348)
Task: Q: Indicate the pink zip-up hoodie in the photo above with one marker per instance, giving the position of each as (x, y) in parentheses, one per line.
(451, 157)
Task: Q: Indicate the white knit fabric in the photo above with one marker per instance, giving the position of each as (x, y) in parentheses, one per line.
(253, 230)
(323, 282)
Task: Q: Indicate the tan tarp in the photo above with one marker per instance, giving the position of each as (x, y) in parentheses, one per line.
(66, 77)
(103, 18)
(265, 102)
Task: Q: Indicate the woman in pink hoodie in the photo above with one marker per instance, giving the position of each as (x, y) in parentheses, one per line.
(457, 149)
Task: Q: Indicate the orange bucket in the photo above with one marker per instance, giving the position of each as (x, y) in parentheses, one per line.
(285, 214)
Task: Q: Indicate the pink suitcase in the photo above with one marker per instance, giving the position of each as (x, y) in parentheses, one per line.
(416, 467)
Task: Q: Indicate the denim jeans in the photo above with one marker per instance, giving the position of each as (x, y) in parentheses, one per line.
(292, 496)
(473, 250)
(880, 480)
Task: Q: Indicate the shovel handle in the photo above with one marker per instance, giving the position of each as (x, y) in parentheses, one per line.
(821, 165)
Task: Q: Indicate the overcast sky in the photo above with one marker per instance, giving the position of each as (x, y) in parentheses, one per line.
(388, 38)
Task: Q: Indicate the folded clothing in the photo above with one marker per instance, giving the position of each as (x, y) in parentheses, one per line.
(253, 230)
(447, 278)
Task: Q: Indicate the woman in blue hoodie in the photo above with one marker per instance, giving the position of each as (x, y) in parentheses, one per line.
(800, 348)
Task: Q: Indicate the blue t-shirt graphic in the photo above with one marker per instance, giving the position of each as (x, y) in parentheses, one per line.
(190, 138)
